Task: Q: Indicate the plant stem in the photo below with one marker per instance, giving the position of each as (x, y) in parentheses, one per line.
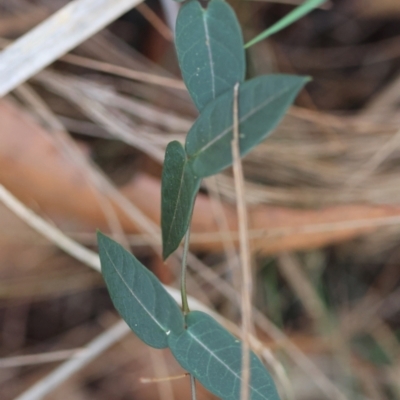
(193, 386)
(185, 304)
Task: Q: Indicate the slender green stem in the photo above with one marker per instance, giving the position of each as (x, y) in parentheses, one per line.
(185, 304)
(193, 387)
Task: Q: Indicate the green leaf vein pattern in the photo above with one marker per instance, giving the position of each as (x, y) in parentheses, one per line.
(179, 187)
(138, 295)
(210, 49)
(213, 356)
(263, 102)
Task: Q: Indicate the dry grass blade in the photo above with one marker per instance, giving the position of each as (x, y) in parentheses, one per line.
(53, 234)
(375, 161)
(99, 105)
(171, 9)
(295, 3)
(54, 37)
(91, 351)
(123, 72)
(102, 184)
(165, 379)
(42, 358)
(156, 21)
(227, 237)
(55, 126)
(245, 257)
(115, 123)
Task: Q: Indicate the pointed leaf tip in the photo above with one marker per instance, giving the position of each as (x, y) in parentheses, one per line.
(179, 187)
(138, 295)
(263, 101)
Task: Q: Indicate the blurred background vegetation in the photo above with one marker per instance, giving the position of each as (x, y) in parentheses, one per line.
(323, 194)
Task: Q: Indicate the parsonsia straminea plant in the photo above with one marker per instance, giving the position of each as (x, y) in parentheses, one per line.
(211, 56)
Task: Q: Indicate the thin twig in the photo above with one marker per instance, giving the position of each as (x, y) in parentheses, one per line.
(245, 256)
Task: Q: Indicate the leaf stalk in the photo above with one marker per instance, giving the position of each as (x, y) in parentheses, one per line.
(185, 304)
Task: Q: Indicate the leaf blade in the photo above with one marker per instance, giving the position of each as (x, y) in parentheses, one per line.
(210, 49)
(179, 187)
(213, 356)
(287, 20)
(263, 102)
(138, 295)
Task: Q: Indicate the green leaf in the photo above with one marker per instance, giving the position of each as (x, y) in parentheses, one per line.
(210, 49)
(209, 352)
(287, 20)
(138, 295)
(178, 192)
(263, 102)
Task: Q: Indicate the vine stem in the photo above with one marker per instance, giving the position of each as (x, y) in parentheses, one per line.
(91, 259)
(185, 304)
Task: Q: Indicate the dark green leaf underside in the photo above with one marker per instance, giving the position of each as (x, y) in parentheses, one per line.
(138, 295)
(263, 102)
(210, 49)
(178, 192)
(213, 356)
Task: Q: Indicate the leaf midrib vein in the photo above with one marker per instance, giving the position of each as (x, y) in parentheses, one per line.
(210, 56)
(133, 293)
(177, 200)
(243, 119)
(212, 354)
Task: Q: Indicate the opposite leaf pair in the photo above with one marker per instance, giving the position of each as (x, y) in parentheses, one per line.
(211, 56)
(200, 344)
